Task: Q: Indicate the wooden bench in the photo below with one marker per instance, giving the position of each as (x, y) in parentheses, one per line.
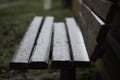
(62, 45)
(99, 21)
(47, 43)
(94, 31)
(94, 18)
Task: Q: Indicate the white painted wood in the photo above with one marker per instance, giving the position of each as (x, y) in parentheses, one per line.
(100, 7)
(47, 4)
(24, 51)
(91, 28)
(77, 43)
(42, 50)
(96, 17)
(60, 45)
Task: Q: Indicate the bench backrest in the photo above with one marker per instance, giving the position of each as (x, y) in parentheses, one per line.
(103, 8)
(94, 30)
(108, 11)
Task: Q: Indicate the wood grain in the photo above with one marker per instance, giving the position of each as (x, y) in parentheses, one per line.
(80, 55)
(41, 52)
(24, 51)
(61, 53)
(93, 28)
(102, 8)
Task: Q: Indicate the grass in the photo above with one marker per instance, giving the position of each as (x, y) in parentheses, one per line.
(16, 16)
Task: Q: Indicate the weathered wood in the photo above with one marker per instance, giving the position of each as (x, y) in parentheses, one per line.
(79, 52)
(93, 28)
(83, 27)
(23, 53)
(41, 52)
(61, 53)
(87, 34)
(93, 22)
(102, 8)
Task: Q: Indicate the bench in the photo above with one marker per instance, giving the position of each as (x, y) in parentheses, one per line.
(94, 30)
(99, 21)
(57, 45)
(60, 48)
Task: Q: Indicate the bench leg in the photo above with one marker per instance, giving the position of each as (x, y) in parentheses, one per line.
(67, 74)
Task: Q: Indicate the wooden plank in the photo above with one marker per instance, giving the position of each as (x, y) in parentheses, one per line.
(79, 52)
(21, 57)
(94, 29)
(40, 56)
(61, 53)
(87, 34)
(94, 23)
(103, 8)
(83, 26)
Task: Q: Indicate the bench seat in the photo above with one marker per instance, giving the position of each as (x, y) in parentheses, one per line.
(59, 45)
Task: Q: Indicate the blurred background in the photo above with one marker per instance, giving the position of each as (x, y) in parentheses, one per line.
(15, 17)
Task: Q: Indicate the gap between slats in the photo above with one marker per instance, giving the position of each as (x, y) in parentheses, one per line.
(24, 51)
(79, 52)
(41, 52)
(61, 53)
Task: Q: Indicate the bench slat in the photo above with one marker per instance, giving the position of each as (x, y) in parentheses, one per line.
(23, 53)
(86, 34)
(103, 8)
(40, 56)
(61, 53)
(79, 52)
